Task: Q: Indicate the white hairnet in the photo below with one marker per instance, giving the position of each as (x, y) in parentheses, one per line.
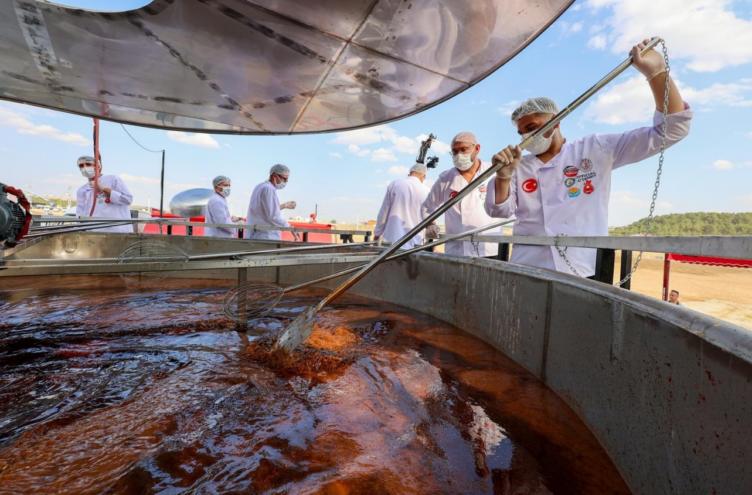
(220, 178)
(535, 105)
(465, 137)
(419, 168)
(279, 169)
(85, 159)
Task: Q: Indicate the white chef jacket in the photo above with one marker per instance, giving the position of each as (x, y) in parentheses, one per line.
(569, 194)
(263, 209)
(466, 215)
(217, 211)
(400, 211)
(117, 207)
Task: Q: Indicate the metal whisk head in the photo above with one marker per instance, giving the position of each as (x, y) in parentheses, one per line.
(251, 300)
(152, 250)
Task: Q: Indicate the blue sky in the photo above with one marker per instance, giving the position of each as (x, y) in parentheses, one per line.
(710, 42)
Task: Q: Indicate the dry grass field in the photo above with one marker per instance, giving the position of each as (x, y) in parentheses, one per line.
(725, 293)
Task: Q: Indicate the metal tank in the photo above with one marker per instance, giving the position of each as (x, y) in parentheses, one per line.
(664, 389)
(191, 202)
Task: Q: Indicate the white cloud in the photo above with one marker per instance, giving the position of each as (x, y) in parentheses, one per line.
(194, 139)
(626, 102)
(597, 42)
(626, 207)
(336, 155)
(398, 170)
(23, 125)
(571, 27)
(731, 94)
(383, 155)
(404, 144)
(368, 135)
(723, 165)
(139, 179)
(357, 150)
(631, 101)
(507, 108)
(706, 33)
(389, 142)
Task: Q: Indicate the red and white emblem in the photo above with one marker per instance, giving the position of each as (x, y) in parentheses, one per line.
(452, 194)
(588, 187)
(571, 171)
(530, 185)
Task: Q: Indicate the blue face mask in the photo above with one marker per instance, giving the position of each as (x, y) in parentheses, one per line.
(226, 191)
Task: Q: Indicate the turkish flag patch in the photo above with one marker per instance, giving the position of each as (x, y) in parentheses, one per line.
(452, 194)
(530, 185)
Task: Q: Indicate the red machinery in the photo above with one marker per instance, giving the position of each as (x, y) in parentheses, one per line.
(15, 218)
(322, 237)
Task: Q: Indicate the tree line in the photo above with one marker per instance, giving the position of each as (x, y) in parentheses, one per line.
(687, 224)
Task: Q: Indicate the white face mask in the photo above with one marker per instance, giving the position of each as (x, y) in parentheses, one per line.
(87, 172)
(462, 161)
(226, 191)
(539, 145)
(280, 185)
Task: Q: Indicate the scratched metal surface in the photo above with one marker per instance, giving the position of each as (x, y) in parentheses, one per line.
(260, 66)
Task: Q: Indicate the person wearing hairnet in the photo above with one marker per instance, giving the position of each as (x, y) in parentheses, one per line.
(217, 211)
(468, 213)
(400, 210)
(264, 209)
(113, 197)
(562, 187)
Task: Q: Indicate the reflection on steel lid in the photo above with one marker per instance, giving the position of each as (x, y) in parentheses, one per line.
(260, 66)
(191, 202)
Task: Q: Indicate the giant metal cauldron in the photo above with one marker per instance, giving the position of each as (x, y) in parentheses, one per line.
(665, 390)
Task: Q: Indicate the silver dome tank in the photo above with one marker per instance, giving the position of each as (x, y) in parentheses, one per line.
(191, 202)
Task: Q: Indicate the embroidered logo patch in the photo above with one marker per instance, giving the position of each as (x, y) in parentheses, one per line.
(586, 165)
(569, 182)
(530, 185)
(588, 187)
(573, 192)
(452, 194)
(571, 171)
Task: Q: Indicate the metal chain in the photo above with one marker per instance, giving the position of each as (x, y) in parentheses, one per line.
(656, 187)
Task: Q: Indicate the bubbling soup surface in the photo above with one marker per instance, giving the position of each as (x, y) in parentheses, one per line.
(150, 390)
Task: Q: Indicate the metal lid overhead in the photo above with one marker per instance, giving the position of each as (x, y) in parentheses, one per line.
(260, 66)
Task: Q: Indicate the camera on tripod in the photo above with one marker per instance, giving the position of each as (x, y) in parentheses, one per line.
(432, 161)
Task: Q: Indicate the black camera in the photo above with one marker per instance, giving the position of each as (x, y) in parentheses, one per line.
(424, 146)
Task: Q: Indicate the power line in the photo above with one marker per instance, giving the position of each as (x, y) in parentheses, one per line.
(139, 144)
(161, 175)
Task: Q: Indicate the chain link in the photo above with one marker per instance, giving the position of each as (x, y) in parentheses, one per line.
(656, 186)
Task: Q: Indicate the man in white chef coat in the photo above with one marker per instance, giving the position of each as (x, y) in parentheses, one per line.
(468, 213)
(562, 187)
(264, 208)
(217, 210)
(113, 197)
(401, 209)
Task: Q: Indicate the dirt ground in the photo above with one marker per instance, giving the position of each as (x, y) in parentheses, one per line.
(725, 293)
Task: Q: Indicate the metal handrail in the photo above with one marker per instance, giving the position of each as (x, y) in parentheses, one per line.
(737, 247)
(184, 223)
